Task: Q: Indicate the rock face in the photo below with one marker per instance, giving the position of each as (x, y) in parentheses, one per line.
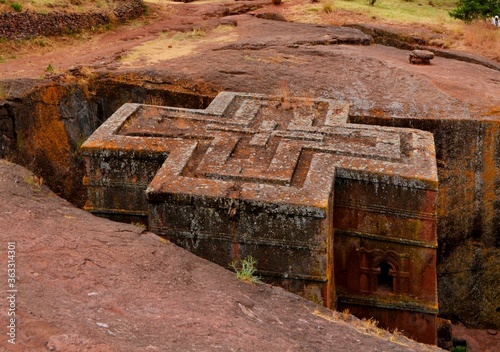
(421, 57)
(382, 88)
(29, 24)
(44, 129)
(290, 183)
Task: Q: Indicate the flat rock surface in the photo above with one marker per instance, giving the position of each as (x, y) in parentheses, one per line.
(424, 54)
(90, 284)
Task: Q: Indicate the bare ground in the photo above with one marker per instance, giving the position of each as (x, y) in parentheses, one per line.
(263, 56)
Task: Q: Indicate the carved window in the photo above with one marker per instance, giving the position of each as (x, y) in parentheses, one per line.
(385, 277)
(383, 271)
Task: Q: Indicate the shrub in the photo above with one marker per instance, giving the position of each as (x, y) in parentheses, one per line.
(16, 6)
(469, 10)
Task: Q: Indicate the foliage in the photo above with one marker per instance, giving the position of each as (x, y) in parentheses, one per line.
(139, 224)
(16, 6)
(328, 6)
(469, 10)
(246, 270)
(50, 68)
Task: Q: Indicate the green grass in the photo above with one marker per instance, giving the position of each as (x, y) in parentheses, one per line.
(16, 6)
(246, 270)
(397, 11)
(418, 11)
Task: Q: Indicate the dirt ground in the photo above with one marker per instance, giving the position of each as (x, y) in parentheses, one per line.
(202, 41)
(90, 284)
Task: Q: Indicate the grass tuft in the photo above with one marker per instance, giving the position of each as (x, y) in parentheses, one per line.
(345, 314)
(196, 33)
(246, 269)
(328, 6)
(139, 224)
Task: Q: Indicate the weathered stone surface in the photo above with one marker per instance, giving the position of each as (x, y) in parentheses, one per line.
(90, 284)
(471, 274)
(468, 215)
(277, 178)
(462, 114)
(421, 57)
(271, 16)
(44, 126)
(28, 24)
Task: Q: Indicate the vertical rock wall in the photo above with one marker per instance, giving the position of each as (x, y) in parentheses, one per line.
(468, 153)
(43, 124)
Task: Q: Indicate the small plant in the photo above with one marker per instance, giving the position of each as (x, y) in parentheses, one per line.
(50, 68)
(328, 6)
(139, 224)
(35, 182)
(246, 270)
(332, 318)
(345, 314)
(196, 33)
(224, 28)
(16, 6)
(395, 335)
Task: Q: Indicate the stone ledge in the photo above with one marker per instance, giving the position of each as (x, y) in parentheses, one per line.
(30, 24)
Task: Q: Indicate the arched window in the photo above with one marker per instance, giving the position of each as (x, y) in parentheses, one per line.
(385, 278)
(383, 272)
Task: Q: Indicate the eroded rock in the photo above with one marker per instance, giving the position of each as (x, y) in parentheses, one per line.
(421, 57)
(345, 210)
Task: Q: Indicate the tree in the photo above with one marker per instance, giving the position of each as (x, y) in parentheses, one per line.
(469, 10)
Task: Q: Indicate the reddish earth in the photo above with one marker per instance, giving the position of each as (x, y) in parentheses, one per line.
(252, 48)
(263, 56)
(90, 284)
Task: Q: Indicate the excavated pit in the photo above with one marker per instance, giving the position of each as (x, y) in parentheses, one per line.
(43, 124)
